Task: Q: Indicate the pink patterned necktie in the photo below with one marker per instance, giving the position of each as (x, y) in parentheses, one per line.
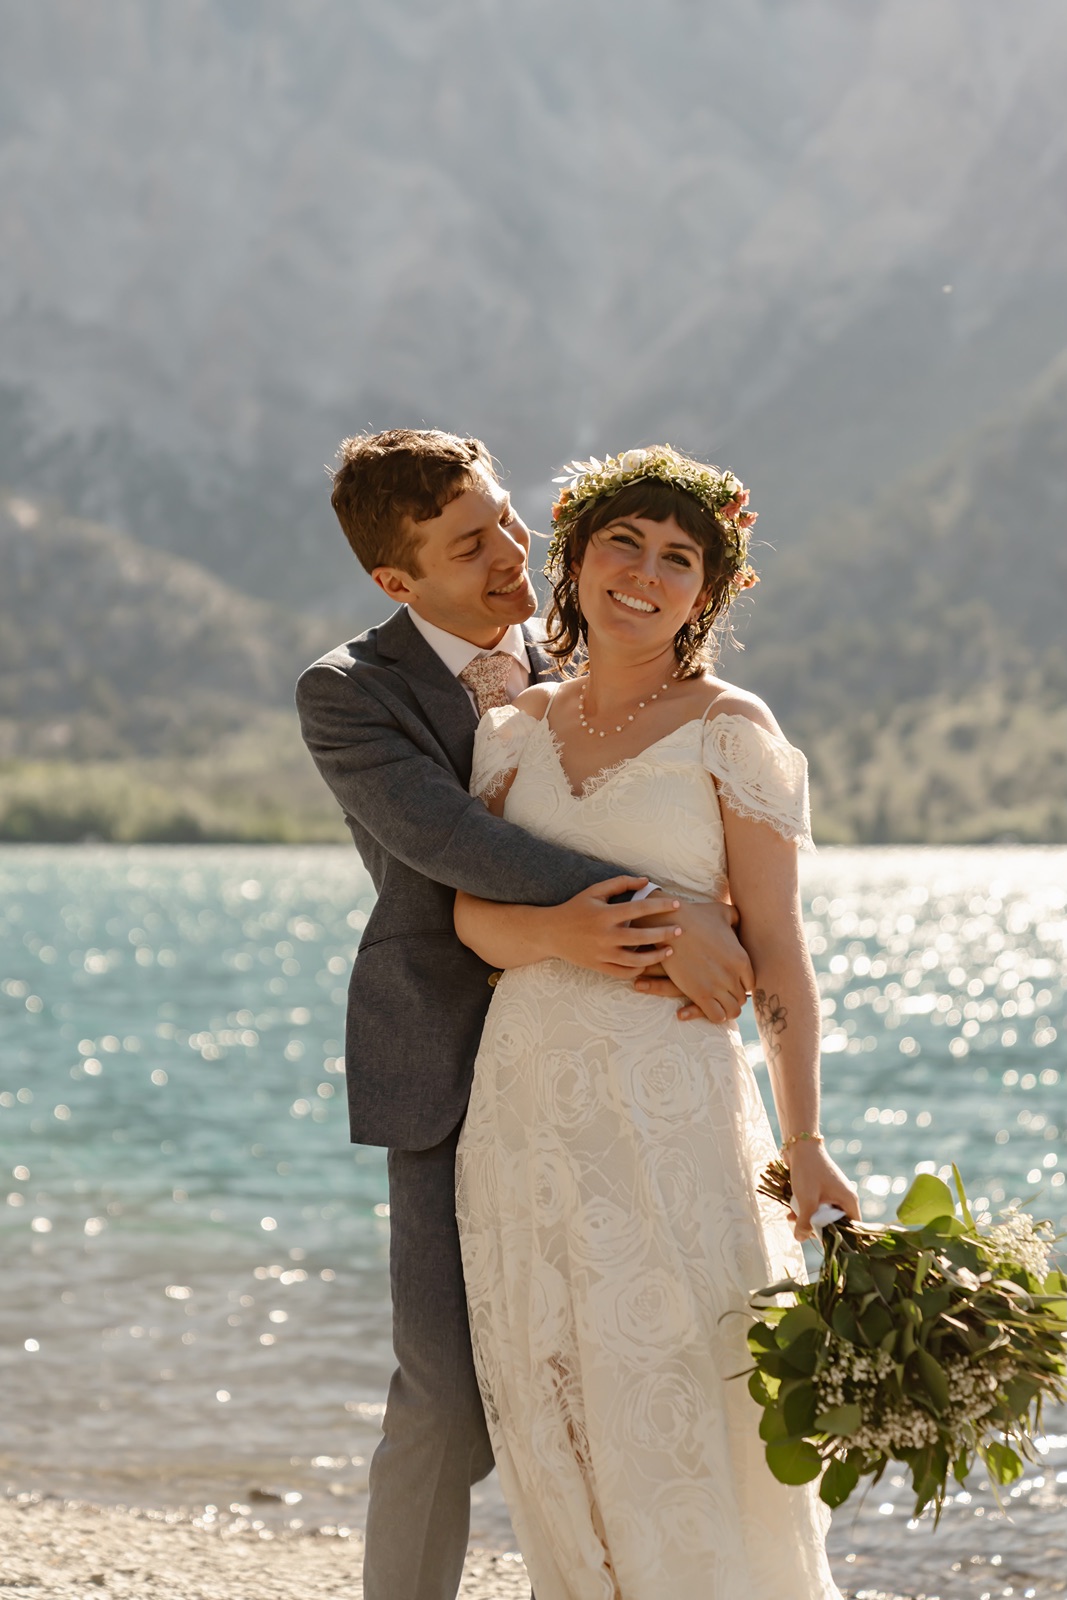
(487, 679)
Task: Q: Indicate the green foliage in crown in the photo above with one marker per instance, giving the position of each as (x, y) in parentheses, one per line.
(724, 495)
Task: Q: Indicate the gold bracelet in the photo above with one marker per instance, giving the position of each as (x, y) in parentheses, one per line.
(799, 1138)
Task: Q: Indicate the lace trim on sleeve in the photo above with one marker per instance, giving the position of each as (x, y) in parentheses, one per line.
(498, 744)
(760, 776)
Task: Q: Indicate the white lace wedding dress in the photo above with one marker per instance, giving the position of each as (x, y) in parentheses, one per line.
(611, 1230)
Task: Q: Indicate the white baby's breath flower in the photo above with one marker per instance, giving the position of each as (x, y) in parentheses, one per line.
(1018, 1239)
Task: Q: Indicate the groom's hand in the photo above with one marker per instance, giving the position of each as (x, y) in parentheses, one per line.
(594, 930)
(708, 969)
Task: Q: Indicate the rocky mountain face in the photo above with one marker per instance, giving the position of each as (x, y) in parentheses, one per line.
(813, 239)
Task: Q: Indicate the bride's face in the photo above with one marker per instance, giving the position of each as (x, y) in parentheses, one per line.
(641, 581)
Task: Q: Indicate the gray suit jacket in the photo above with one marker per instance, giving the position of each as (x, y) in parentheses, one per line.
(392, 732)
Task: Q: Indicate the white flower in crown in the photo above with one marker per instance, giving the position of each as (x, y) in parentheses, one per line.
(574, 471)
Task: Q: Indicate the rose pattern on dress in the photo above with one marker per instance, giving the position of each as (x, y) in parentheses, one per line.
(610, 1224)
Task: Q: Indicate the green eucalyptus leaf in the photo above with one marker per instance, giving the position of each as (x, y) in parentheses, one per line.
(795, 1322)
(928, 1200)
(858, 1275)
(962, 1193)
(794, 1461)
(875, 1323)
(933, 1301)
(841, 1420)
(1003, 1462)
(844, 1323)
(885, 1278)
(933, 1378)
(803, 1354)
(758, 1389)
(798, 1408)
(1019, 1394)
(772, 1364)
(838, 1482)
(787, 1286)
(772, 1425)
(922, 1266)
(761, 1337)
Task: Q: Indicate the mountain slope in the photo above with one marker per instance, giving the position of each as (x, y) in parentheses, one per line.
(955, 576)
(917, 650)
(108, 648)
(233, 233)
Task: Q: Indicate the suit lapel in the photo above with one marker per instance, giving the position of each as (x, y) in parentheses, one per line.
(442, 697)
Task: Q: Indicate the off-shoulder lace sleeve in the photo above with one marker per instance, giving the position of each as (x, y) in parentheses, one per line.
(498, 743)
(760, 775)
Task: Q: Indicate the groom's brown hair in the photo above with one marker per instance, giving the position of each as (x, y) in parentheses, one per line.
(386, 483)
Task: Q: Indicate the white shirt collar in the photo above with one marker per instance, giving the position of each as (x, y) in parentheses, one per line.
(457, 653)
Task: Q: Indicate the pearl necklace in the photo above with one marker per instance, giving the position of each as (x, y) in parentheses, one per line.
(641, 704)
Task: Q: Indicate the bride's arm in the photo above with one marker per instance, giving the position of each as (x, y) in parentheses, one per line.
(785, 998)
(587, 930)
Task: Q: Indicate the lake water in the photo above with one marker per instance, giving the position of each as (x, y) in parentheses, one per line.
(194, 1260)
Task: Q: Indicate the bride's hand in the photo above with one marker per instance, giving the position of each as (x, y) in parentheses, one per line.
(709, 968)
(817, 1181)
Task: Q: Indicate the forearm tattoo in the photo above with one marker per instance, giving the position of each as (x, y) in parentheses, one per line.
(772, 1021)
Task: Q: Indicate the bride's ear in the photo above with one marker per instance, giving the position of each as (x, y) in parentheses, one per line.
(698, 605)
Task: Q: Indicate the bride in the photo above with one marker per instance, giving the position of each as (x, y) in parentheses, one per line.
(608, 1167)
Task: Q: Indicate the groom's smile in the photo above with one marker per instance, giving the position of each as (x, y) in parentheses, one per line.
(472, 578)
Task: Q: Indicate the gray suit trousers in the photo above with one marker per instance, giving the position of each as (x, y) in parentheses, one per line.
(435, 1442)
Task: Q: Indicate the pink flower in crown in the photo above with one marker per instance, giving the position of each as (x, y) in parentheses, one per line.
(737, 504)
(747, 518)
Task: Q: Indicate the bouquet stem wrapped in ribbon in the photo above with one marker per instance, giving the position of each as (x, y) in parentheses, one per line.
(933, 1343)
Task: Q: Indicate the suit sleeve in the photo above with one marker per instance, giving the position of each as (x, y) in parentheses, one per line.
(418, 811)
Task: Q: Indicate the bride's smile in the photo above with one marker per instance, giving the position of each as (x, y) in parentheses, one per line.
(641, 581)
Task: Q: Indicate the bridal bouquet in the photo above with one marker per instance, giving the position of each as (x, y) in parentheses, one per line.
(933, 1343)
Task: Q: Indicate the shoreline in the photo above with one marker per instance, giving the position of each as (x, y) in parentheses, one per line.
(57, 1548)
(54, 1547)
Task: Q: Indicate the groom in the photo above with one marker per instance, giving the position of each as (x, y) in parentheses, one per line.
(389, 719)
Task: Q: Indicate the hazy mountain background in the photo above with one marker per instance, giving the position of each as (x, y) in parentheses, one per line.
(821, 241)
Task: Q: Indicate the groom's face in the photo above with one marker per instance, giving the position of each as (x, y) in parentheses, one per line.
(473, 579)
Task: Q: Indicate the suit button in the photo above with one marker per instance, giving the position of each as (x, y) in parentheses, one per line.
(494, 979)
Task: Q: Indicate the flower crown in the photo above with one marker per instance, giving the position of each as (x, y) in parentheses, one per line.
(724, 495)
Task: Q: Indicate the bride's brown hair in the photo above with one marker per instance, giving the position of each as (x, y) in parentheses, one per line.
(697, 643)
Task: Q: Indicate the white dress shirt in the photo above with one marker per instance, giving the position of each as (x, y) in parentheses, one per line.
(457, 653)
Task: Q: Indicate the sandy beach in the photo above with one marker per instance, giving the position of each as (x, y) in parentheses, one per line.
(66, 1549)
(71, 1550)
(54, 1549)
